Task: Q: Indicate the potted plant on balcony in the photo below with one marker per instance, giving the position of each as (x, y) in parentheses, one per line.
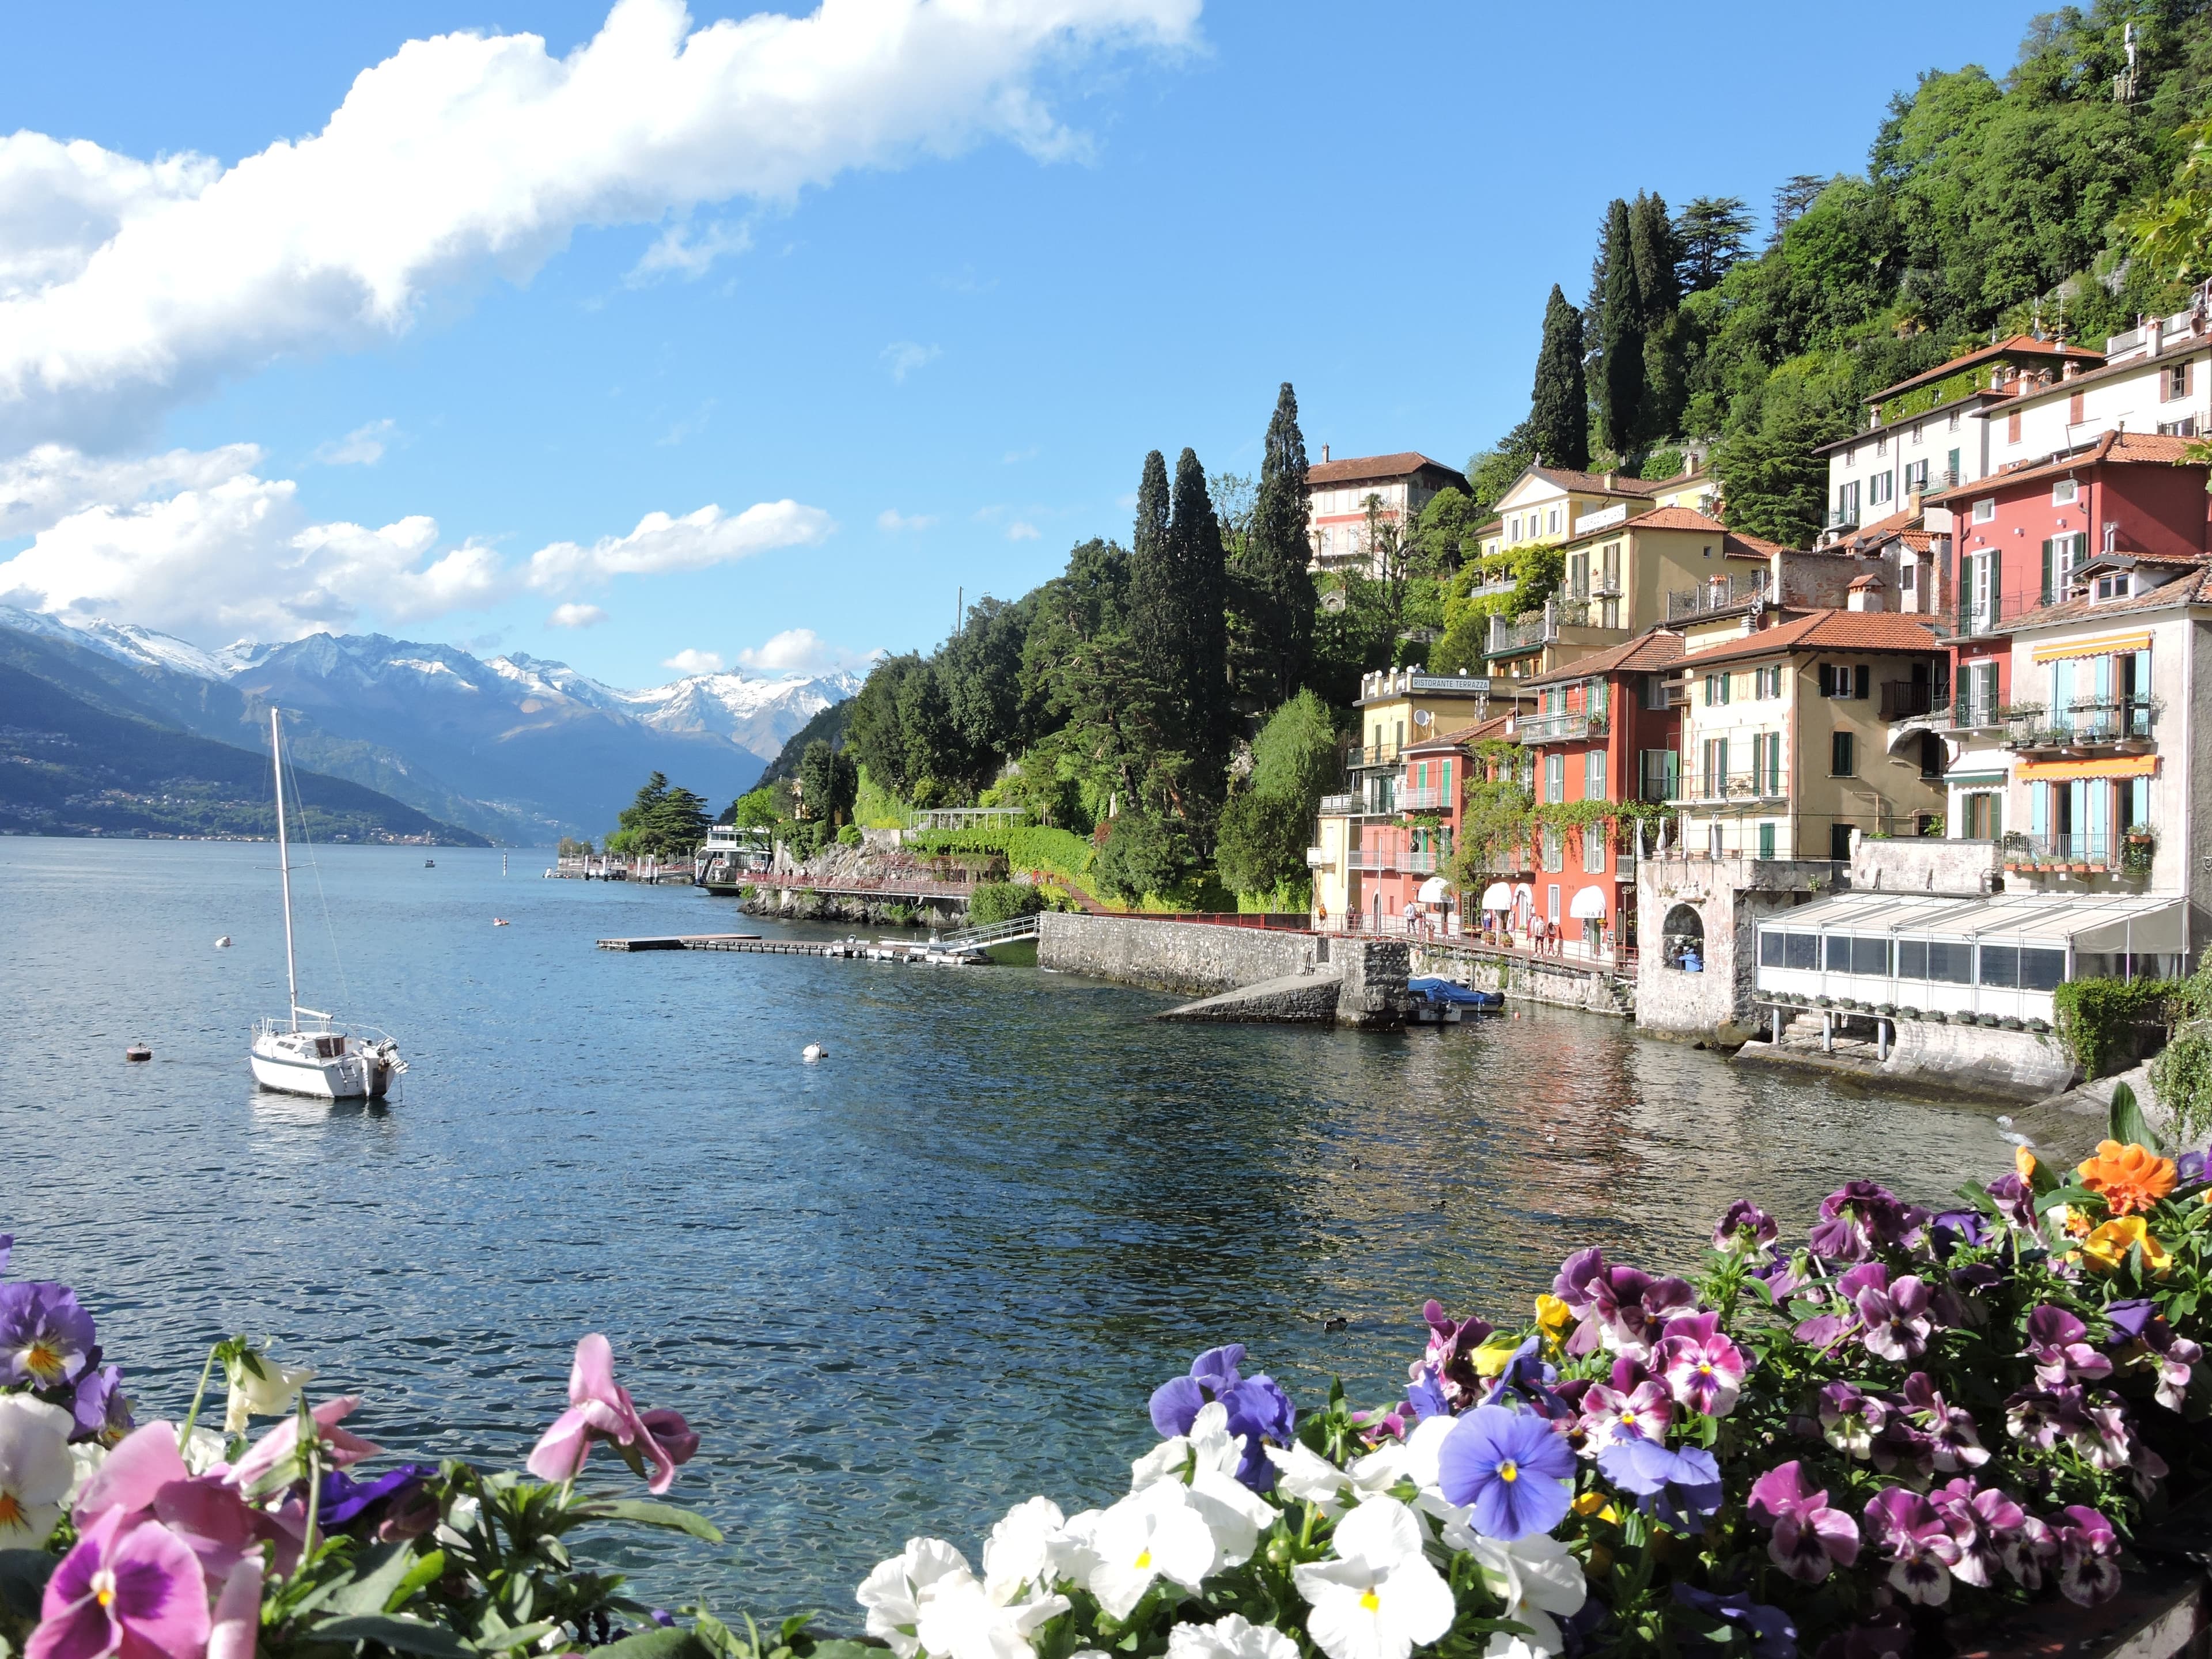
(2137, 849)
(2016, 850)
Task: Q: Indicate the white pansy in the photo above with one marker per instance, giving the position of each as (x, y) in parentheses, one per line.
(1018, 1551)
(1212, 1445)
(1154, 1533)
(204, 1450)
(1233, 1513)
(894, 1593)
(36, 1470)
(1233, 1638)
(1381, 1599)
(1414, 1458)
(958, 1618)
(269, 1392)
(85, 1458)
(1070, 1553)
(1304, 1474)
(1541, 1582)
(1168, 1461)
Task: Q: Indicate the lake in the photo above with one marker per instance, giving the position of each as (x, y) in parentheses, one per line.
(895, 1291)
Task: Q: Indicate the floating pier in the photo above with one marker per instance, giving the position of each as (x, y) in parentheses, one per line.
(850, 948)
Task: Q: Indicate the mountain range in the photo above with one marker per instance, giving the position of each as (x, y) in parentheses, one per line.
(514, 748)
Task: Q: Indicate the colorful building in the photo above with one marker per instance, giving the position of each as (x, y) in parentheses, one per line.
(1337, 495)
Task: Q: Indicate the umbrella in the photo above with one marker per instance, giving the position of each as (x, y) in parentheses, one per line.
(1588, 905)
(1497, 897)
(1433, 890)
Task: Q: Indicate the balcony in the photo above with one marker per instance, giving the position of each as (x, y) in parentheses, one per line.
(1342, 806)
(1412, 682)
(1425, 863)
(1719, 593)
(1529, 633)
(2082, 726)
(1563, 725)
(1428, 798)
(1377, 754)
(1747, 786)
(1976, 617)
(1843, 518)
(2088, 852)
(1970, 713)
(1496, 587)
(1912, 700)
(1366, 858)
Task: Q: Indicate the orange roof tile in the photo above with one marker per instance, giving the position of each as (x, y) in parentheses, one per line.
(2120, 448)
(2020, 345)
(1376, 466)
(1653, 649)
(1826, 630)
(2186, 590)
(1594, 483)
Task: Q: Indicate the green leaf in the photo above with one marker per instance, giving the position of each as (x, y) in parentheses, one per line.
(379, 1573)
(2126, 1124)
(843, 1647)
(649, 1515)
(23, 1575)
(658, 1644)
(520, 1636)
(401, 1635)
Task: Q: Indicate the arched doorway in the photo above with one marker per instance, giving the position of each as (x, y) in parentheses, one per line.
(1682, 939)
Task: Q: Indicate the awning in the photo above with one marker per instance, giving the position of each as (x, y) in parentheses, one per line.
(2149, 924)
(1975, 779)
(1497, 897)
(2105, 645)
(1433, 890)
(1588, 905)
(2120, 766)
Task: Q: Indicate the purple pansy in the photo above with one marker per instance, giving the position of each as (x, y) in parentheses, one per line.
(1511, 1466)
(127, 1586)
(1906, 1527)
(98, 1404)
(1809, 1539)
(2089, 1556)
(2153, 1343)
(1425, 1396)
(2057, 1343)
(1773, 1633)
(1258, 1408)
(1745, 1225)
(1703, 1368)
(1450, 1357)
(1642, 1412)
(46, 1338)
(1953, 1441)
(1860, 1215)
(1678, 1487)
(2015, 1201)
(1528, 1380)
(342, 1497)
(1984, 1524)
(1895, 1318)
(1850, 1419)
(1953, 1230)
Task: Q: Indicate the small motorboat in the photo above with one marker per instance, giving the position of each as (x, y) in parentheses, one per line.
(137, 1051)
(430, 864)
(1450, 993)
(500, 921)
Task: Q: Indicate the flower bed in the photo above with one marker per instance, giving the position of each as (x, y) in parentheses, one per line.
(1906, 1427)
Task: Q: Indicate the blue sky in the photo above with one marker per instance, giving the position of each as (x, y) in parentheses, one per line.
(1369, 202)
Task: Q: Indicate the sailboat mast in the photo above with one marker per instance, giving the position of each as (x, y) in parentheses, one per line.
(284, 866)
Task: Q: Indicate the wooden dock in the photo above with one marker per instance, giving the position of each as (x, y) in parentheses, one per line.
(753, 943)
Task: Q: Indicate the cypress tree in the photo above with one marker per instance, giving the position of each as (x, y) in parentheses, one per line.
(1201, 676)
(1273, 572)
(1651, 244)
(1620, 332)
(1559, 406)
(1153, 587)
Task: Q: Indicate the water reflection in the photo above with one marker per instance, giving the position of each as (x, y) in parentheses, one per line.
(937, 1270)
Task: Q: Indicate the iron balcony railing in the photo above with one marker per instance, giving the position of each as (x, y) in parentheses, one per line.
(1563, 725)
(1972, 714)
(1364, 858)
(1425, 797)
(2084, 723)
(2097, 849)
(1342, 806)
(1908, 700)
(1843, 518)
(1426, 862)
(1537, 628)
(1716, 593)
(1738, 785)
(1977, 618)
(1375, 754)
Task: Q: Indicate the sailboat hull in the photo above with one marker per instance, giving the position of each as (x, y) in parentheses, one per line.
(354, 1076)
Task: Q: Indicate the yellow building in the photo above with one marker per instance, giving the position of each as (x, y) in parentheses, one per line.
(1786, 733)
(1542, 504)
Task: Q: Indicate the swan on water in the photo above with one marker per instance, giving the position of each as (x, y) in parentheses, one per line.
(812, 1052)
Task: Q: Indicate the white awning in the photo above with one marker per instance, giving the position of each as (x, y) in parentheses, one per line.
(2148, 925)
(1433, 891)
(1497, 897)
(1588, 905)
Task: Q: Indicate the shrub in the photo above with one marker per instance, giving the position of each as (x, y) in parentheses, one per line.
(1144, 854)
(1061, 851)
(2181, 1078)
(1002, 901)
(1263, 841)
(849, 836)
(2098, 1017)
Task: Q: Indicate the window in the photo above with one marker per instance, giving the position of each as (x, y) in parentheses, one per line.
(1881, 444)
(1906, 572)
(1771, 947)
(1716, 842)
(1836, 953)
(2063, 491)
(1655, 690)
(1915, 475)
(1555, 777)
(1951, 462)
(1716, 765)
(1844, 680)
(1766, 762)
(2184, 427)
(2000, 966)
(1766, 838)
(1916, 433)
(1847, 502)
(1717, 688)
(1553, 524)
(2061, 554)
(2076, 409)
(2177, 381)
(1552, 903)
(1593, 848)
(1984, 816)
(1870, 957)
(1880, 487)
(1513, 528)
(2117, 586)
(1593, 774)
(1985, 510)
(1842, 758)
(1659, 771)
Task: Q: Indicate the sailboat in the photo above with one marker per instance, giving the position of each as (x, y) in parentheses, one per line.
(322, 1059)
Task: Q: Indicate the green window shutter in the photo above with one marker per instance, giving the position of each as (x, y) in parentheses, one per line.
(1863, 680)
(1997, 585)
(2046, 570)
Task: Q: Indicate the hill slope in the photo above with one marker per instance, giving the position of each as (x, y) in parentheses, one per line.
(69, 768)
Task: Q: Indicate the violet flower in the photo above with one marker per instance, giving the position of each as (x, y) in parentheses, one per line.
(1258, 1410)
(1703, 1369)
(1629, 1309)
(343, 1498)
(2158, 1345)
(1895, 1319)
(2057, 1343)
(2029, 1551)
(1772, 1632)
(1860, 1215)
(97, 1405)
(600, 1409)
(2088, 1556)
(1809, 1539)
(1644, 1413)
(2042, 1417)
(2015, 1201)
(128, 1589)
(1952, 1437)
(1678, 1487)
(1527, 1381)
(1954, 1230)
(1450, 1355)
(1511, 1466)
(1983, 1524)
(1425, 1396)
(1746, 1226)
(1850, 1419)
(46, 1338)
(1905, 1527)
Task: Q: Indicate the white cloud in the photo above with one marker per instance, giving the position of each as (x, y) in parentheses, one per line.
(802, 651)
(362, 446)
(677, 252)
(891, 520)
(127, 286)
(231, 553)
(904, 357)
(708, 537)
(575, 616)
(1021, 530)
(695, 662)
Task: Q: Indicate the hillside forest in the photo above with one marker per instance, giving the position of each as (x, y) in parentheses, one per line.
(1175, 703)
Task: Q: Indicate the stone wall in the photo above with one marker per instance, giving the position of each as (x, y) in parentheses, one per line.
(1307, 998)
(1555, 984)
(1976, 1059)
(1922, 864)
(1201, 958)
(1374, 979)
(1731, 897)
(811, 904)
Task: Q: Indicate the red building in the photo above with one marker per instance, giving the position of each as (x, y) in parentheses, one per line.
(1407, 860)
(2019, 535)
(1604, 729)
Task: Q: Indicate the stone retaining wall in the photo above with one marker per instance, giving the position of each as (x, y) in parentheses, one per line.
(1171, 956)
(1975, 1060)
(1294, 1000)
(1555, 984)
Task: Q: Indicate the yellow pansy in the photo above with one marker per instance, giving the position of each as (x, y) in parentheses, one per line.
(2108, 1246)
(1595, 1505)
(1492, 1356)
(1552, 1318)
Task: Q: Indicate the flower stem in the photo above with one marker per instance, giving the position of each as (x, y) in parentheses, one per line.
(185, 1436)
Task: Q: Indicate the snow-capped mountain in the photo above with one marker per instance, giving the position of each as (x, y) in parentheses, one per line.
(533, 742)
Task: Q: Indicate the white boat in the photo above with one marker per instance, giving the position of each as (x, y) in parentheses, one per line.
(322, 1059)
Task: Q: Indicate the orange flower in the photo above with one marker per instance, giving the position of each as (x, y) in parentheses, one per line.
(2023, 1162)
(2130, 1178)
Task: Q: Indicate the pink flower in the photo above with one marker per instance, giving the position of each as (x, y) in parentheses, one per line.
(145, 1478)
(1986, 1525)
(599, 1409)
(124, 1589)
(1610, 1415)
(1703, 1368)
(342, 1449)
(1905, 1526)
(237, 1624)
(1810, 1539)
(2088, 1567)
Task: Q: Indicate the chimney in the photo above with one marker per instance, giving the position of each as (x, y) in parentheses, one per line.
(1324, 452)
(1609, 478)
(2072, 368)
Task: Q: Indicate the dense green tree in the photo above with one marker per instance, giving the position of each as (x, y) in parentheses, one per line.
(1144, 853)
(1621, 332)
(1490, 472)
(980, 669)
(1651, 245)
(828, 782)
(1154, 599)
(1559, 404)
(1772, 482)
(1276, 588)
(1295, 757)
(664, 820)
(1262, 845)
(1791, 198)
(1200, 665)
(1713, 234)
(1443, 535)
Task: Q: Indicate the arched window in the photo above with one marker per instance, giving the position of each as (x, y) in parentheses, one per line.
(1683, 934)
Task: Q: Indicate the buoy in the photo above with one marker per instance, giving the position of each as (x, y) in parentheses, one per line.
(137, 1051)
(812, 1052)
(500, 921)
(223, 944)
(1336, 1323)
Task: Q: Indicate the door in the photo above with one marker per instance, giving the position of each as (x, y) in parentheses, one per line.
(1839, 840)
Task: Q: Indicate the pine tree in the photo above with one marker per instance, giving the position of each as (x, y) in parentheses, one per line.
(1558, 405)
(1791, 198)
(1712, 233)
(1271, 576)
(1202, 583)
(1153, 598)
(1620, 332)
